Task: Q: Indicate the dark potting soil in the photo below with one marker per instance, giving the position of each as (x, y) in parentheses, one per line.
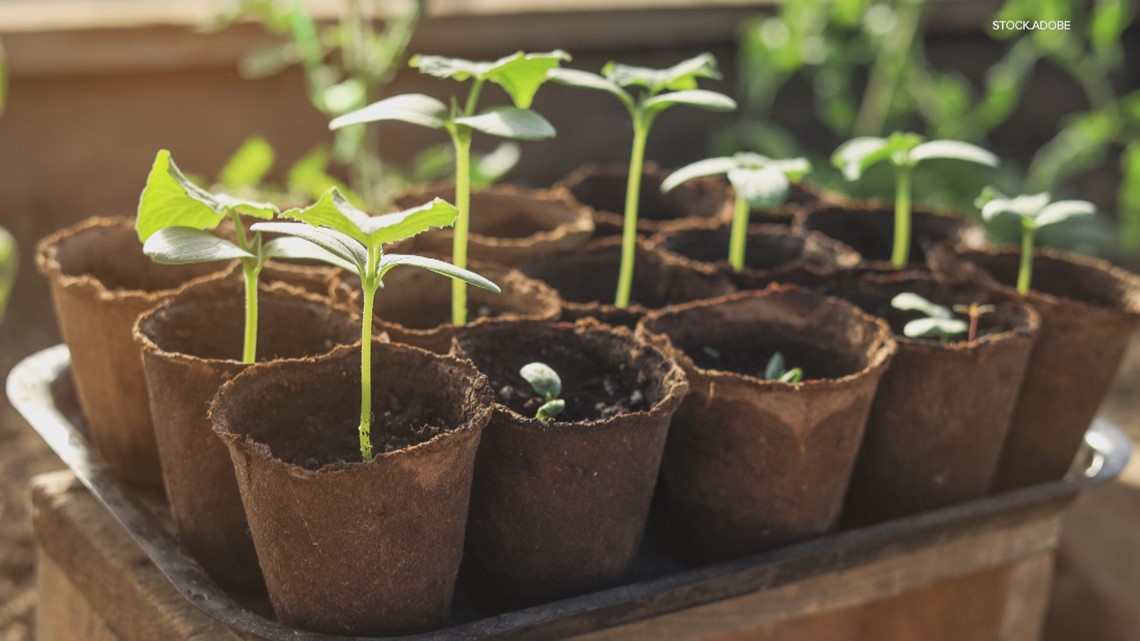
(432, 312)
(606, 192)
(711, 246)
(595, 384)
(114, 257)
(588, 278)
(748, 353)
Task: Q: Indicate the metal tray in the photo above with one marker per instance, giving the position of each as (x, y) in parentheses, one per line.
(40, 388)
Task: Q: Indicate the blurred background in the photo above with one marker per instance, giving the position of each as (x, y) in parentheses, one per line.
(90, 89)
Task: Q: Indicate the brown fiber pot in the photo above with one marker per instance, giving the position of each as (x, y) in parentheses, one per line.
(753, 464)
(773, 254)
(414, 306)
(347, 547)
(509, 225)
(602, 188)
(943, 409)
(868, 227)
(587, 279)
(800, 196)
(1089, 310)
(559, 506)
(100, 283)
(190, 346)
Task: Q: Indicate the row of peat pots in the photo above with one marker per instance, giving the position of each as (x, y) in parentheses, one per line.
(676, 387)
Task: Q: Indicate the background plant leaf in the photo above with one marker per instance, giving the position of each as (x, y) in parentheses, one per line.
(248, 166)
(681, 76)
(953, 150)
(911, 302)
(706, 167)
(858, 154)
(169, 199)
(761, 188)
(700, 98)
(522, 74)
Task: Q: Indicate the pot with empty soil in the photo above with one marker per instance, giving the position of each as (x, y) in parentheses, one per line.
(943, 409)
(869, 226)
(191, 345)
(560, 502)
(603, 187)
(781, 384)
(586, 279)
(773, 254)
(413, 307)
(1089, 310)
(348, 546)
(509, 225)
(100, 282)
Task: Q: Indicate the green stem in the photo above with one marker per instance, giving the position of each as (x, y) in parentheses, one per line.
(900, 254)
(629, 225)
(249, 344)
(462, 141)
(370, 283)
(1025, 272)
(739, 236)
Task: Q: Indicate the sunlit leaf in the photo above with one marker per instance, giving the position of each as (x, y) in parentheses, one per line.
(390, 261)
(935, 328)
(294, 248)
(700, 98)
(184, 245)
(414, 108)
(1063, 210)
(334, 211)
(543, 379)
(510, 122)
(522, 74)
(587, 80)
(1024, 206)
(953, 150)
(911, 302)
(706, 167)
(346, 248)
(856, 155)
(760, 188)
(683, 75)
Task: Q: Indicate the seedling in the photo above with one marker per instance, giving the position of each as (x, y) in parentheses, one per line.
(546, 383)
(974, 311)
(657, 90)
(520, 75)
(904, 151)
(759, 182)
(776, 370)
(1034, 212)
(334, 231)
(937, 322)
(174, 215)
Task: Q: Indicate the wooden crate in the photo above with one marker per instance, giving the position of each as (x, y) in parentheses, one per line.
(991, 584)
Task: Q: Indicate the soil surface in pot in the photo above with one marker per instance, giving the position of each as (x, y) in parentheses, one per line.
(869, 229)
(746, 352)
(493, 214)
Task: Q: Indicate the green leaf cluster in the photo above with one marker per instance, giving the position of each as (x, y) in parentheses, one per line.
(776, 370)
(546, 383)
(903, 149)
(761, 181)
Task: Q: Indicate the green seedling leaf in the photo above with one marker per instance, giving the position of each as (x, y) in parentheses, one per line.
(707, 167)
(942, 328)
(9, 267)
(700, 98)
(1064, 210)
(449, 68)
(347, 249)
(520, 74)
(681, 76)
(510, 122)
(335, 212)
(794, 375)
(185, 245)
(390, 261)
(415, 108)
(775, 368)
(953, 150)
(910, 302)
(1034, 210)
(294, 248)
(543, 379)
(592, 81)
(249, 164)
(858, 154)
(760, 188)
(309, 176)
(550, 409)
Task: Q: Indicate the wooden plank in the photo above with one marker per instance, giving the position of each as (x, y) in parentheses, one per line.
(65, 614)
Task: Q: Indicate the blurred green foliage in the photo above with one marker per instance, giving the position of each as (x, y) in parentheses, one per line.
(866, 65)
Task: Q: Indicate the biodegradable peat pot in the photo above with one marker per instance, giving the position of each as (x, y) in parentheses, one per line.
(603, 187)
(800, 195)
(351, 548)
(559, 506)
(315, 279)
(189, 345)
(943, 409)
(587, 279)
(414, 306)
(869, 227)
(772, 254)
(100, 282)
(752, 464)
(1089, 310)
(509, 225)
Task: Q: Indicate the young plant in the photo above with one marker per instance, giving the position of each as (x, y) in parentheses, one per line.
(776, 370)
(938, 321)
(1033, 212)
(546, 383)
(174, 215)
(656, 91)
(759, 182)
(903, 151)
(334, 231)
(520, 75)
(974, 311)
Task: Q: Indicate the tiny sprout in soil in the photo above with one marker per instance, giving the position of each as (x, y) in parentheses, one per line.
(335, 232)
(776, 370)
(657, 90)
(759, 182)
(546, 383)
(903, 151)
(173, 218)
(520, 75)
(937, 321)
(974, 312)
(1033, 212)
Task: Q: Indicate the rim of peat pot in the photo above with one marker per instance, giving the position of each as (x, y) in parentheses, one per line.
(553, 221)
(350, 547)
(1089, 310)
(797, 252)
(586, 280)
(187, 344)
(800, 195)
(873, 232)
(601, 188)
(559, 506)
(751, 464)
(100, 281)
(942, 410)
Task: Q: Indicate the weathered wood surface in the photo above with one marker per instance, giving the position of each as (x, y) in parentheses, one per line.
(95, 584)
